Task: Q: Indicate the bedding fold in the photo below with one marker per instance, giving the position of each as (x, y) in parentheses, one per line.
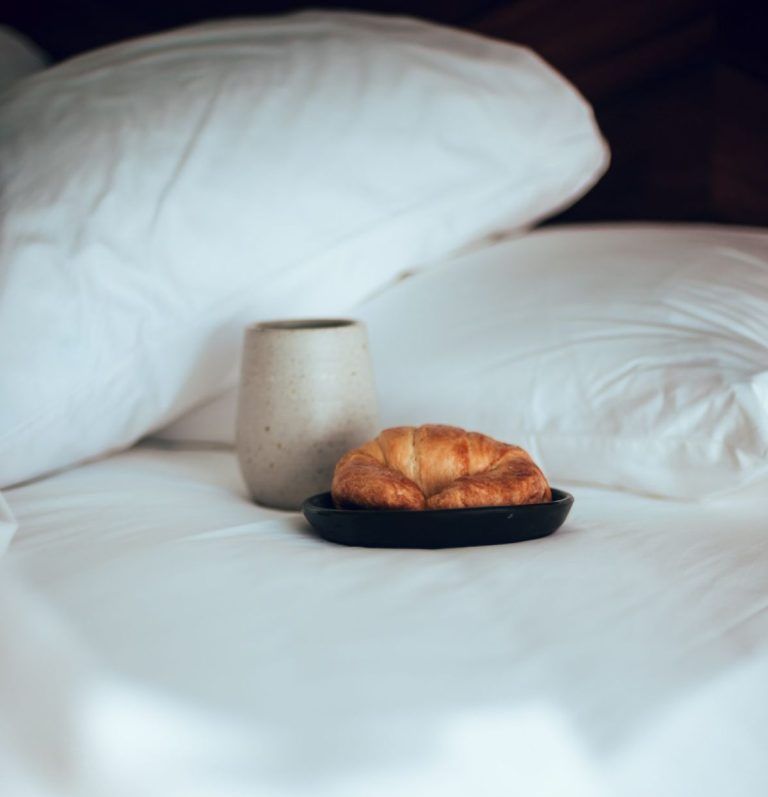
(309, 668)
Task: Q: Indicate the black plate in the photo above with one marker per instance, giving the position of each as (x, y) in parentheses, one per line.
(436, 528)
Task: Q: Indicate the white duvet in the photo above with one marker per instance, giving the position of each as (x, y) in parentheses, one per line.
(161, 635)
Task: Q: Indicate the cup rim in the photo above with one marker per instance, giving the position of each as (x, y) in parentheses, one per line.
(301, 324)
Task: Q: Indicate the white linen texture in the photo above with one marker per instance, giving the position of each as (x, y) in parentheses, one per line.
(19, 57)
(632, 357)
(159, 194)
(626, 355)
(162, 635)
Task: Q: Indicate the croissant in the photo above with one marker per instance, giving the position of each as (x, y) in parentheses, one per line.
(436, 467)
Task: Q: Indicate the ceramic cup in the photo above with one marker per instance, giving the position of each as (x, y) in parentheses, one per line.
(307, 395)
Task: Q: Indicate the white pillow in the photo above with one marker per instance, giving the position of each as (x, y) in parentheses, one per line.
(629, 356)
(18, 57)
(632, 356)
(159, 194)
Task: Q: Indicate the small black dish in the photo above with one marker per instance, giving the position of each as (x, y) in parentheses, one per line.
(436, 528)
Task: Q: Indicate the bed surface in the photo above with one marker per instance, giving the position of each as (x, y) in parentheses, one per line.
(162, 636)
(153, 568)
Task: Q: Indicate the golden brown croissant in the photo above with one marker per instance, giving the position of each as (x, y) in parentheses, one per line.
(436, 467)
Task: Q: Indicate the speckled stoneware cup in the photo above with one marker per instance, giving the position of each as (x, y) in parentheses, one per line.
(307, 395)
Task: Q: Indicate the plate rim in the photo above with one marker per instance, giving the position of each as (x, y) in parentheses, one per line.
(565, 499)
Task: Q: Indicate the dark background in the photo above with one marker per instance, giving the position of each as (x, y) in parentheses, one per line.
(680, 87)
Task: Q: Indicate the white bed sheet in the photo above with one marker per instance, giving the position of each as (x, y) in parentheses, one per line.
(160, 634)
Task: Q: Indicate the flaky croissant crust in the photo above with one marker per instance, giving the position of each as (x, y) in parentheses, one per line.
(436, 467)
